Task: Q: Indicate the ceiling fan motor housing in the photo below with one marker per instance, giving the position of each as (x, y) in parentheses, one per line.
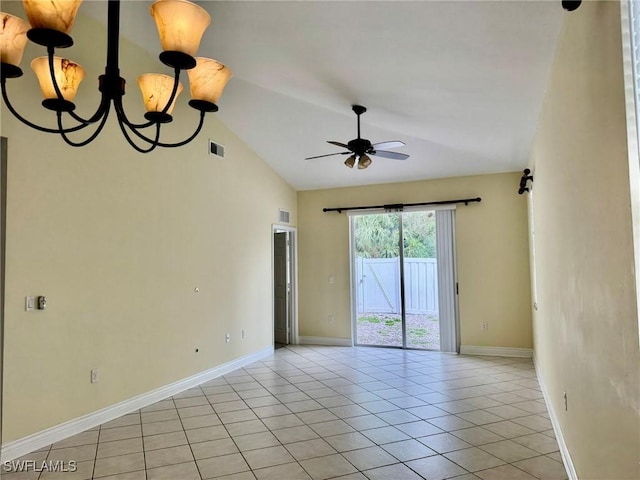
(359, 146)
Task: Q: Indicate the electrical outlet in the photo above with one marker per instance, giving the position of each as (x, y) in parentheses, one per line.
(94, 376)
(485, 326)
(330, 319)
(227, 338)
(331, 279)
(244, 333)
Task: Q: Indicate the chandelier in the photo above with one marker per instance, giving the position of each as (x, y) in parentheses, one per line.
(180, 24)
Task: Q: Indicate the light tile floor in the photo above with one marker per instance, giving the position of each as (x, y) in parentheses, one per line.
(332, 412)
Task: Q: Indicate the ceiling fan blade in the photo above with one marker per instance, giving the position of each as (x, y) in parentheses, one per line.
(393, 155)
(338, 144)
(328, 155)
(391, 144)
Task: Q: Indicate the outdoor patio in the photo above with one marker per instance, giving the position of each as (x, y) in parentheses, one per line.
(423, 331)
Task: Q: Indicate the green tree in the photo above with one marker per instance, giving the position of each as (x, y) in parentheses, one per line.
(419, 230)
(376, 236)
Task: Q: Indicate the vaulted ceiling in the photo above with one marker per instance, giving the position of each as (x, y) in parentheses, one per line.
(460, 82)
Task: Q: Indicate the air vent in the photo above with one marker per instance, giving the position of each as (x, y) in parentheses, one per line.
(284, 216)
(216, 149)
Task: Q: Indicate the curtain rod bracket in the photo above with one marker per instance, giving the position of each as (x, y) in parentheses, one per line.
(395, 207)
(523, 181)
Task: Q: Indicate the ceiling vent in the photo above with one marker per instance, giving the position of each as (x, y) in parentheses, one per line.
(284, 216)
(216, 149)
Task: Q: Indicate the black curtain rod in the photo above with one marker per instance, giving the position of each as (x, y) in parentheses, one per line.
(401, 206)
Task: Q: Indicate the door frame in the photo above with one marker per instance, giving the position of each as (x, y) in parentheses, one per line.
(353, 289)
(3, 238)
(293, 272)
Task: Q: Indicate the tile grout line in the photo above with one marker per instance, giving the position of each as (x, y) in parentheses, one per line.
(185, 433)
(337, 452)
(225, 426)
(47, 457)
(144, 452)
(95, 457)
(270, 430)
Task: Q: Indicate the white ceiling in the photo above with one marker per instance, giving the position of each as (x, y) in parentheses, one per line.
(461, 83)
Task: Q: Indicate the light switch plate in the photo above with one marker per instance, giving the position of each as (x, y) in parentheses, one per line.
(29, 303)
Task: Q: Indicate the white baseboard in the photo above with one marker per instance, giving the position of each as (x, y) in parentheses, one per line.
(338, 342)
(564, 451)
(496, 351)
(23, 446)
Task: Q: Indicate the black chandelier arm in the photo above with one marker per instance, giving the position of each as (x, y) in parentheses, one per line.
(154, 144)
(5, 97)
(174, 91)
(184, 142)
(122, 117)
(124, 121)
(91, 138)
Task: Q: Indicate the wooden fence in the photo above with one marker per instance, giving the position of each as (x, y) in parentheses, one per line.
(378, 285)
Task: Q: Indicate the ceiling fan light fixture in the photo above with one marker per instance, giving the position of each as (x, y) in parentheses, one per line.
(364, 162)
(351, 161)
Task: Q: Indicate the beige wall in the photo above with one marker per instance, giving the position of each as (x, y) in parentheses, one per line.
(492, 254)
(586, 330)
(118, 241)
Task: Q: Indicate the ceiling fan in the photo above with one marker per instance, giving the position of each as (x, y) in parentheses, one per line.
(361, 148)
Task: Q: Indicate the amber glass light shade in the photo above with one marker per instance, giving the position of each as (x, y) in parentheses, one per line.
(67, 73)
(208, 79)
(364, 162)
(351, 161)
(54, 14)
(13, 38)
(181, 25)
(156, 91)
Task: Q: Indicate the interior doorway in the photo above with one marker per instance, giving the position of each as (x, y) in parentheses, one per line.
(285, 325)
(403, 279)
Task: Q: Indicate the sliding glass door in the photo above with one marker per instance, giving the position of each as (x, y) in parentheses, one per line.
(396, 292)
(377, 277)
(420, 280)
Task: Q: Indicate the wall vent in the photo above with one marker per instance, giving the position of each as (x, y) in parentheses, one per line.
(284, 216)
(216, 149)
